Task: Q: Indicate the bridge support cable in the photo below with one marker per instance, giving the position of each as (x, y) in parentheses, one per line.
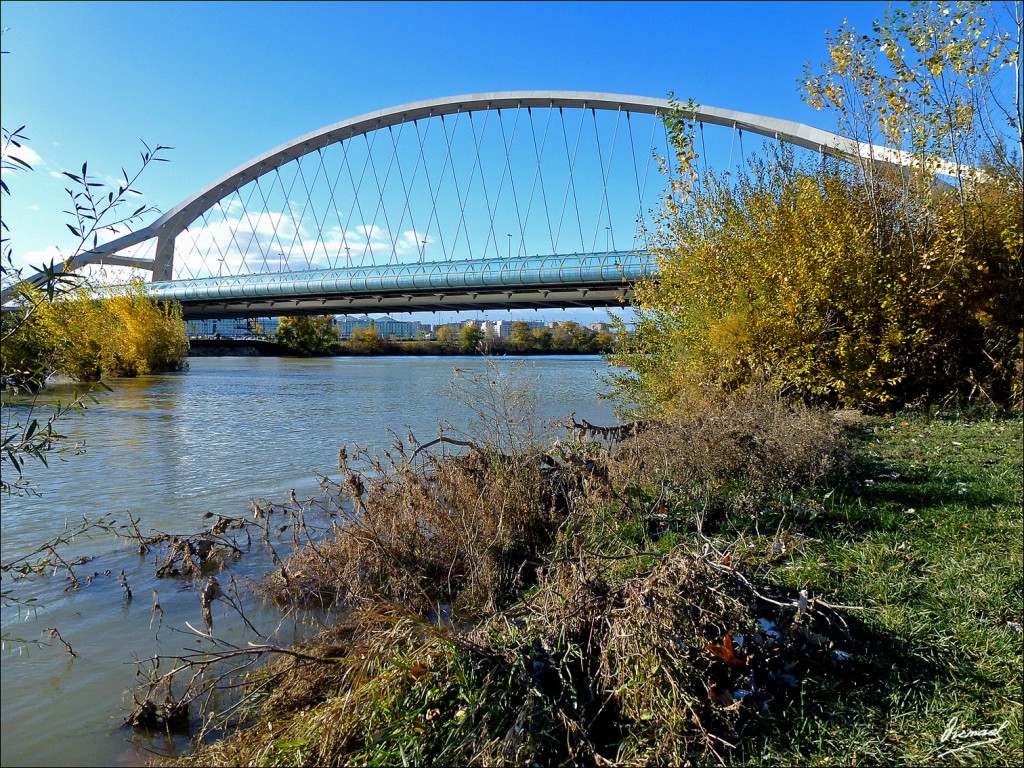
(570, 184)
(638, 227)
(380, 202)
(508, 142)
(489, 210)
(463, 198)
(432, 190)
(640, 222)
(459, 181)
(277, 221)
(407, 208)
(233, 230)
(333, 260)
(346, 162)
(333, 208)
(732, 140)
(264, 248)
(490, 237)
(289, 207)
(603, 208)
(307, 205)
(703, 151)
(538, 176)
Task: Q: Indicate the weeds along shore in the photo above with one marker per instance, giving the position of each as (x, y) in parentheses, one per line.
(762, 583)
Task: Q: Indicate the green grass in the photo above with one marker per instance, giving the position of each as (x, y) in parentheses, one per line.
(927, 541)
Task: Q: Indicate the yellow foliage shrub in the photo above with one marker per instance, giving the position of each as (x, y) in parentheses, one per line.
(124, 333)
(833, 287)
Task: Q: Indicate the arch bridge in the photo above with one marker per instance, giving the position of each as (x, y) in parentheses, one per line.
(495, 200)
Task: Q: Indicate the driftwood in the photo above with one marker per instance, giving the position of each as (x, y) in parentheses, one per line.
(617, 432)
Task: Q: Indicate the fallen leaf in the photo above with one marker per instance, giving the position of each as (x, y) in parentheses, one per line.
(727, 653)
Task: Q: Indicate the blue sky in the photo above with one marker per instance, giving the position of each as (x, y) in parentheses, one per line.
(225, 82)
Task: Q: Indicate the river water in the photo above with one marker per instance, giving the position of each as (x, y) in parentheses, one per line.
(168, 449)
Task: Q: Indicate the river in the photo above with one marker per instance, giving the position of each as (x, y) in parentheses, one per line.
(168, 449)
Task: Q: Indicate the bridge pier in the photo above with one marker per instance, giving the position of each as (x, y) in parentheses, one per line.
(163, 262)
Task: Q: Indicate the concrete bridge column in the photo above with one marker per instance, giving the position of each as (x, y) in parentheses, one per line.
(163, 262)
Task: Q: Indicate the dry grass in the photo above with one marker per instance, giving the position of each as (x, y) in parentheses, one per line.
(515, 605)
(424, 532)
(654, 670)
(735, 454)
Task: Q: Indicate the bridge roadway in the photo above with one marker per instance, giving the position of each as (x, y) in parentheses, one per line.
(538, 282)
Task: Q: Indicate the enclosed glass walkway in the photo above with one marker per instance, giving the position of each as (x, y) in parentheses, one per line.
(584, 280)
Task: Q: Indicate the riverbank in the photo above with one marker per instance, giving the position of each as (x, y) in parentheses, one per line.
(209, 347)
(851, 594)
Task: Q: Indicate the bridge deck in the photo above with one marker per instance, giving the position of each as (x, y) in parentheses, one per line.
(575, 280)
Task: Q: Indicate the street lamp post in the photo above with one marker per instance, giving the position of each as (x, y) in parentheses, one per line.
(510, 246)
(607, 235)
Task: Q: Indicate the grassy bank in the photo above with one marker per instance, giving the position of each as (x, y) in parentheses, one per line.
(761, 585)
(927, 541)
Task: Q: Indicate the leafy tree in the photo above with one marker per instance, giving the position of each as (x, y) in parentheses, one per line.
(307, 334)
(121, 333)
(447, 337)
(571, 336)
(939, 80)
(520, 337)
(604, 341)
(542, 338)
(470, 338)
(367, 340)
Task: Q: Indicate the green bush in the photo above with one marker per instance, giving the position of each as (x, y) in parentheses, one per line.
(308, 335)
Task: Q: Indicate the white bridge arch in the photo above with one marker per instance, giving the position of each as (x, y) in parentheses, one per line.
(590, 276)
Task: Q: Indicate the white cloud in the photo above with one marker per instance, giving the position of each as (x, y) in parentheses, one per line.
(240, 243)
(30, 260)
(24, 153)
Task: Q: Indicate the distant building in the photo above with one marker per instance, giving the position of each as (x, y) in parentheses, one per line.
(224, 328)
(498, 329)
(386, 327)
(346, 325)
(268, 326)
(232, 328)
(402, 330)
